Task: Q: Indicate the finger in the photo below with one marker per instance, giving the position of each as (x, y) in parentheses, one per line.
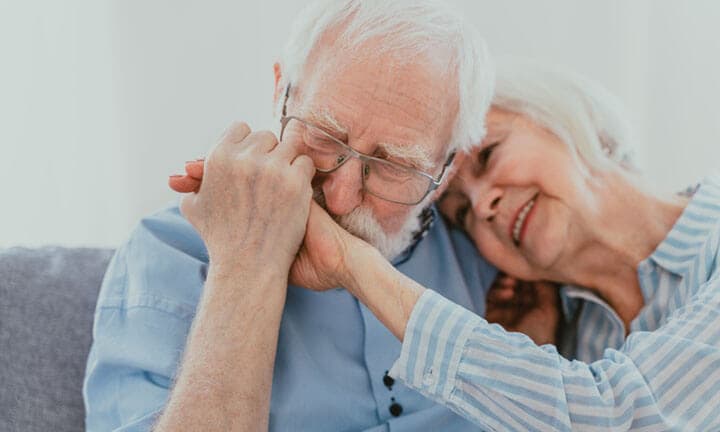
(305, 165)
(261, 142)
(288, 149)
(234, 138)
(183, 184)
(236, 133)
(507, 281)
(195, 169)
(500, 294)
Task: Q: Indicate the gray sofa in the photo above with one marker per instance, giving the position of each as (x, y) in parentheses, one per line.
(47, 300)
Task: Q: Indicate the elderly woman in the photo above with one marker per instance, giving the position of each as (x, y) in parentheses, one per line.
(550, 196)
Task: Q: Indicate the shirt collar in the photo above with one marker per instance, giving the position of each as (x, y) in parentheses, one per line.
(682, 244)
(427, 220)
(572, 296)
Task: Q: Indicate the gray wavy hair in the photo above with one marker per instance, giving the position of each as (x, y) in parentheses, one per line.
(410, 29)
(579, 111)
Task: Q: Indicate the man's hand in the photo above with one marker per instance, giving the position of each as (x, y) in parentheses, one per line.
(254, 200)
(322, 262)
(251, 210)
(526, 307)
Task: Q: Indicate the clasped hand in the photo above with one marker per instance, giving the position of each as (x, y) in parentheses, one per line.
(251, 201)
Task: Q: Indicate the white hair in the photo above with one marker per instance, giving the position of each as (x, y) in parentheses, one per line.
(410, 29)
(579, 111)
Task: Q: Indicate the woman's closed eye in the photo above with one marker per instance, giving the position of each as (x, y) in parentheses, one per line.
(484, 155)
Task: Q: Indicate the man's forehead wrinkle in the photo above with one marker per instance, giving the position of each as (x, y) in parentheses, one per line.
(414, 154)
(412, 104)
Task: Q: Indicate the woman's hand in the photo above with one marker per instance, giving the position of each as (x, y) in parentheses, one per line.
(327, 254)
(526, 307)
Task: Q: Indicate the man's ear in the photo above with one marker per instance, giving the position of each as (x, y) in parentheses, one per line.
(277, 71)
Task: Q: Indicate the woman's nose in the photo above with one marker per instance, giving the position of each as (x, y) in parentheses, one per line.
(486, 203)
(343, 188)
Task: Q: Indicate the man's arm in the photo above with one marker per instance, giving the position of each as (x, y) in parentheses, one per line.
(226, 375)
(251, 212)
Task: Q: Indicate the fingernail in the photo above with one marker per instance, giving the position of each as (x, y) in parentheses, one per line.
(176, 175)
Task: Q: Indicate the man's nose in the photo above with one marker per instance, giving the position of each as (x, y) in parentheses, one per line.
(486, 202)
(343, 189)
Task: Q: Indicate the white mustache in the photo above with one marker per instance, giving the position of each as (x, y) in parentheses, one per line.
(362, 223)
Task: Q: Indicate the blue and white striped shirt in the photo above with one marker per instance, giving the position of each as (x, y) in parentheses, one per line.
(664, 376)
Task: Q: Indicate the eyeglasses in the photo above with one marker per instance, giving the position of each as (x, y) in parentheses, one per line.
(387, 180)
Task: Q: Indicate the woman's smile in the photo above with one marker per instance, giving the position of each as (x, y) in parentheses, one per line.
(519, 226)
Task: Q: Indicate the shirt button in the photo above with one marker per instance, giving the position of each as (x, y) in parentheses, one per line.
(396, 409)
(429, 378)
(388, 380)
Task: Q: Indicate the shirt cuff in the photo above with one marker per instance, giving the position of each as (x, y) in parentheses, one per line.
(435, 338)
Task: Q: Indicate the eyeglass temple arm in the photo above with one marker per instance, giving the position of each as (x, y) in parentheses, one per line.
(445, 172)
(287, 94)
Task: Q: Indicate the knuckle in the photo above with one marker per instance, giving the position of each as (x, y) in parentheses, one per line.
(265, 136)
(237, 131)
(296, 186)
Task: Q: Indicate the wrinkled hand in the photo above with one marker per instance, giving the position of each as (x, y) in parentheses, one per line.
(526, 307)
(251, 200)
(321, 262)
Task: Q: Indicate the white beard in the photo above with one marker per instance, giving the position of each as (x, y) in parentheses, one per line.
(362, 223)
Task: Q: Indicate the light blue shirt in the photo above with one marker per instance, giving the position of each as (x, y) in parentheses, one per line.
(332, 352)
(664, 376)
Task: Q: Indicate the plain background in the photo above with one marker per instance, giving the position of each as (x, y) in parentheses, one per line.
(101, 100)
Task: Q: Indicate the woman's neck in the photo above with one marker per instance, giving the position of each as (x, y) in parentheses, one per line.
(626, 227)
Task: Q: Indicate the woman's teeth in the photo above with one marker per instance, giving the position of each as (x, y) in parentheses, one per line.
(520, 220)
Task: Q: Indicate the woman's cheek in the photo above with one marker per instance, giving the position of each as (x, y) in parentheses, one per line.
(504, 257)
(490, 247)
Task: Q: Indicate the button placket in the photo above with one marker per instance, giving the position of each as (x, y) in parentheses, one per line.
(395, 408)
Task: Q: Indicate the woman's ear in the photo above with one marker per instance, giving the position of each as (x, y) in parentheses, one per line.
(277, 71)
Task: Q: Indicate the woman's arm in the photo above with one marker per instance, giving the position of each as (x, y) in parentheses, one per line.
(389, 294)
(662, 380)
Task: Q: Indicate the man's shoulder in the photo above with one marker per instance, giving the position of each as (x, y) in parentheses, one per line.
(162, 265)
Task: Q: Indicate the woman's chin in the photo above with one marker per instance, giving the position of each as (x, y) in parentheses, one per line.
(542, 256)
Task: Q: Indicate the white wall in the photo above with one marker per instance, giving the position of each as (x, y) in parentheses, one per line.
(100, 100)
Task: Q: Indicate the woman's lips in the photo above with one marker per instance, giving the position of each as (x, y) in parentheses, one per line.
(517, 228)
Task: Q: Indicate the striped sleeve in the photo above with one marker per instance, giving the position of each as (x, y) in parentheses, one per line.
(662, 380)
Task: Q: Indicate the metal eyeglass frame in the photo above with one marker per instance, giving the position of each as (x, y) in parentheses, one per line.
(364, 158)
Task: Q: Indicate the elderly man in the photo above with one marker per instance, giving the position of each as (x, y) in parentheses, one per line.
(196, 322)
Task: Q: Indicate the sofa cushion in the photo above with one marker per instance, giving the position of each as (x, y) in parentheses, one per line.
(47, 300)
